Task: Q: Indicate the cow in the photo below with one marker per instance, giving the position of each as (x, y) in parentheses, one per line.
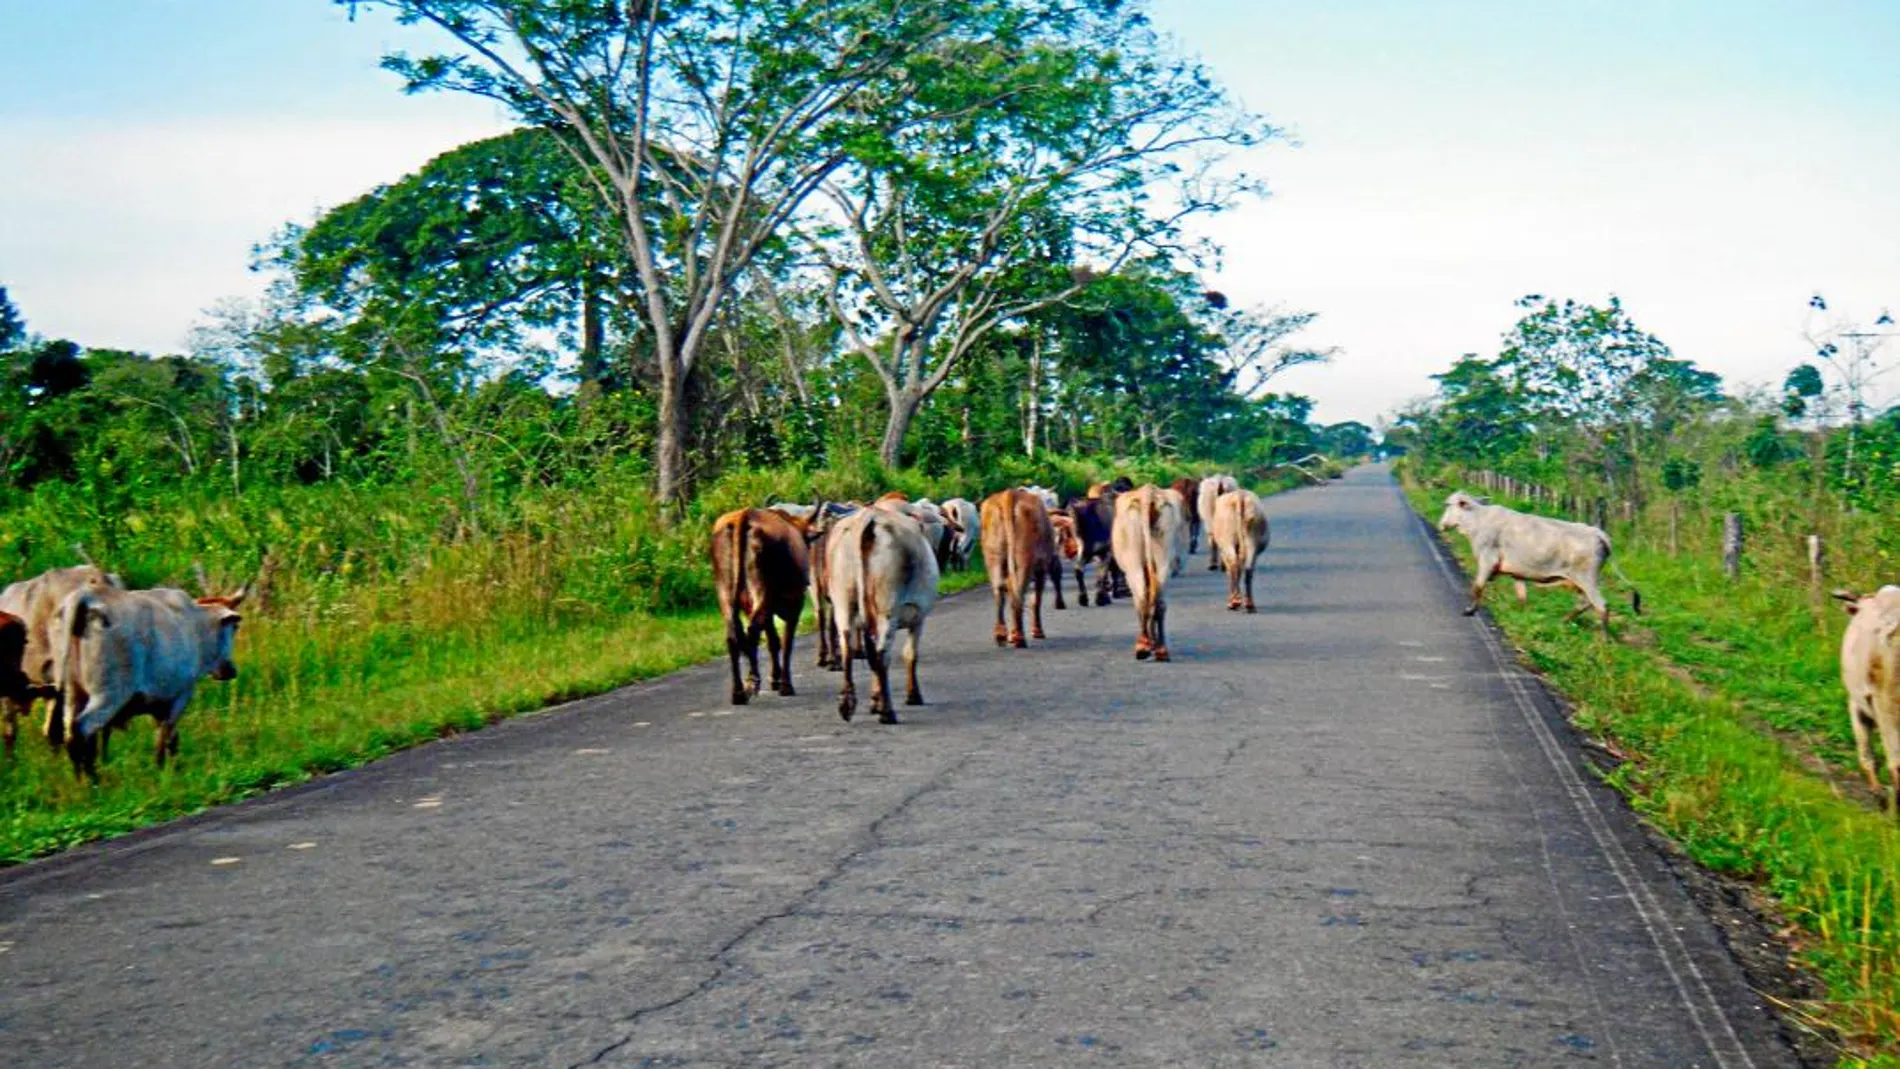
(1046, 496)
(1870, 670)
(1094, 524)
(1190, 491)
(967, 519)
(815, 522)
(937, 530)
(1020, 555)
(1206, 493)
(34, 602)
(1147, 524)
(760, 570)
(883, 579)
(121, 653)
(1534, 549)
(1240, 529)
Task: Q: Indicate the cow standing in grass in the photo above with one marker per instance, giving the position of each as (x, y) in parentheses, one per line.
(1020, 554)
(122, 653)
(34, 602)
(1870, 670)
(1147, 523)
(1534, 549)
(883, 580)
(760, 570)
(1240, 530)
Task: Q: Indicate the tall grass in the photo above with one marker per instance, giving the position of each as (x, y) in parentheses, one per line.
(389, 617)
(1726, 698)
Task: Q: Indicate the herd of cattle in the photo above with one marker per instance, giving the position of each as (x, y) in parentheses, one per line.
(100, 654)
(871, 571)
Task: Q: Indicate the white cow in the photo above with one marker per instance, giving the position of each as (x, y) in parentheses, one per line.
(1147, 526)
(1210, 490)
(964, 515)
(1239, 528)
(120, 653)
(883, 580)
(1870, 669)
(1533, 549)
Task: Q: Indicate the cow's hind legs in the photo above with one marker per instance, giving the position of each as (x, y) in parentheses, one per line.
(913, 694)
(735, 650)
(1863, 722)
(782, 668)
(880, 683)
(848, 697)
(1035, 607)
(1161, 631)
(1250, 605)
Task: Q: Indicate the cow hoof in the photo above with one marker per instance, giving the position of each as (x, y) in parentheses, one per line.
(1251, 610)
(1233, 606)
(847, 706)
(1161, 654)
(1472, 611)
(740, 697)
(786, 691)
(887, 717)
(1038, 635)
(1002, 639)
(913, 698)
(1018, 642)
(1142, 653)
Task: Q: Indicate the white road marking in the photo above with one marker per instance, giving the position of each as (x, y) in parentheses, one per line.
(590, 751)
(301, 846)
(226, 860)
(433, 801)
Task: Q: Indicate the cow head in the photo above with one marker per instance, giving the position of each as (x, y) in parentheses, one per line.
(1458, 508)
(224, 619)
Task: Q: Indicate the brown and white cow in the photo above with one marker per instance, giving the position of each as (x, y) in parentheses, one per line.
(34, 602)
(1147, 524)
(1206, 493)
(1870, 669)
(883, 580)
(1020, 554)
(760, 570)
(1240, 529)
(123, 653)
(1534, 549)
(815, 523)
(1190, 491)
(1093, 520)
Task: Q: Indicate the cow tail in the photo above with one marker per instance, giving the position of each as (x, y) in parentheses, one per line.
(1147, 551)
(741, 534)
(65, 708)
(1003, 539)
(866, 542)
(1636, 596)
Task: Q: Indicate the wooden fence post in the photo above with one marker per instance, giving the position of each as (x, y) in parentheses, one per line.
(1817, 562)
(1732, 544)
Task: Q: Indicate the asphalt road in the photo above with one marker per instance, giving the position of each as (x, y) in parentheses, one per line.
(1344, 832)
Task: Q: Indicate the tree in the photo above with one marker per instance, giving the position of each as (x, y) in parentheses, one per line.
(12, 327)
(1031, 169)
(701, 126)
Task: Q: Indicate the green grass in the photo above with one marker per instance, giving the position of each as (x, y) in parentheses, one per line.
(1723, 696)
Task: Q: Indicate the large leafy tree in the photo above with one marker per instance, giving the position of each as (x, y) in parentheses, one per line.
(1032, 166)
(702, 126)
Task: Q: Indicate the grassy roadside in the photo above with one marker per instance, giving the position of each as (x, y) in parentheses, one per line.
(1724, 703)
(382, 635)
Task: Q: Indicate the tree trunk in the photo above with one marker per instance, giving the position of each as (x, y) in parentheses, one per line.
(904, 404)
(1035, 397)
(593, 331)
(671, 446)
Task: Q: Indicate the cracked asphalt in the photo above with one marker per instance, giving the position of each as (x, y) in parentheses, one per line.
(1344, 832)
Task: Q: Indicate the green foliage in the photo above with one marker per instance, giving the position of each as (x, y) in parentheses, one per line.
(1680, 473)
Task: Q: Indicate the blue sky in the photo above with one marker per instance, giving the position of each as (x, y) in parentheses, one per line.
(1713, 163)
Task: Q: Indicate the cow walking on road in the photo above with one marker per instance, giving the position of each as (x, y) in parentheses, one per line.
(1534, 549)
(1020, 554)
(1240, 530)
(1146, 526)
(760, 569)
(883, 580)
(1207, 493)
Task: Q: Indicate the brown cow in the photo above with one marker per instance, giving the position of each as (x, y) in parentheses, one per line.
(1870, 670)
(1019, 549)
(759, 570)
(1190, 490)
(1240, 533)
(1147, 525)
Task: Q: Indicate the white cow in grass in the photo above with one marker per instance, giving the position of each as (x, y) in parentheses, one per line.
(1534, 549)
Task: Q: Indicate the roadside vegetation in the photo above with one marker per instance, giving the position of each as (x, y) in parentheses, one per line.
(471, 440)
(1723, 701)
